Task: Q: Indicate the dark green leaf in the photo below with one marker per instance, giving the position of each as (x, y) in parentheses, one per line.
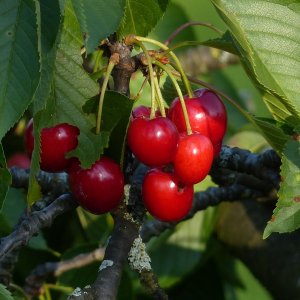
(116, 112)
(177, 254)
(4, 293)
(5, 178)
(19, 60)
(267, 38)
(168, 24)
(272, 132)
(286, 216)
(71, 87)
(225, 43)
(169, 92)
(82, 276)
(141, 16)
(48, 13)
(98, 19)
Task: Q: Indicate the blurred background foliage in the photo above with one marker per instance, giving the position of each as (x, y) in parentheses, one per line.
(189, 261)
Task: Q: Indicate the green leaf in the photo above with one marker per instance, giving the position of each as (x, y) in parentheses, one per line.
(248, 139)
(5, 178)
(115, 117)
(286, 216)
(81, 276)
(272, 132)
(19, 60)
(71, 87)
(169, 92)
(267, 37)
(98, 19)
(173, 255)
(141, 16)
(4, 293)
(225, 42)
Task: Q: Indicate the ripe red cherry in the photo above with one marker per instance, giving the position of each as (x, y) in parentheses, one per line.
(193, 158)
(164, 198)
(154, 141)
(18, 159)
(217, 149)
(207, 115)
(144, 112)
(98, 189)
(140, 112)
(55, 143)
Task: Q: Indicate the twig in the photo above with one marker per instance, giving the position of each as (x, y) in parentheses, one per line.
(244, 161)
(106, 285)
(31, 224)
(38, 276)
(56, 183)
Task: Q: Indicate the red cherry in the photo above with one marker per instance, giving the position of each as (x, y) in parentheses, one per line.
(140, 112)
(154, 141)
(144, 112)
(207, 115)
(164, 198)
(98, 189)
(20, 160)
(193, 158)
(55, 143)
(217, 149)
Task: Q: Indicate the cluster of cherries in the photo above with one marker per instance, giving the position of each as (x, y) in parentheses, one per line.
(178, 160)
(98, 189)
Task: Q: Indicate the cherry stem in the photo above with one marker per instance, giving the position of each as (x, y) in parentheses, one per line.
(217, 91)
(114, 59)
(151, 74)
(175, 58)
(188, 24)
(177, 87)
(97, 60)
(138, 95)
(160, 97)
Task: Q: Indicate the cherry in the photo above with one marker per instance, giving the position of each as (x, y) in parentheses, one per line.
(140, 112)
(207, 115)
(98, 189)
(217, 149)
(18, 159)
(154, 141)
(55, 143)
(144, 112)
(193, 158)
(164, 198)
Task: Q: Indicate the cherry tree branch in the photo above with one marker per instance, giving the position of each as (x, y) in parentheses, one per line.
(30, 225)
(36, 279)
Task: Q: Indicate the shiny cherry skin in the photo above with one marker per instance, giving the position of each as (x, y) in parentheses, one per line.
(164, 197)
(19, 160)
(207, 115)
(193, 158)
(99, 189)
(154, 141)
(55, 143)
